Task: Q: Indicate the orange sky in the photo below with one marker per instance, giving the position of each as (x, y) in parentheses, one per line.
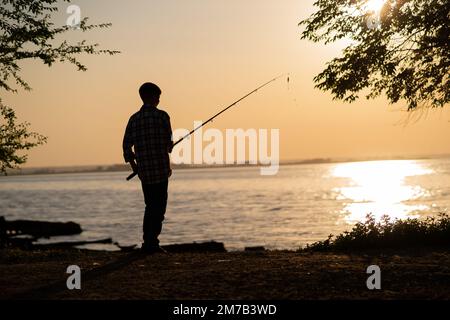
(205, 54)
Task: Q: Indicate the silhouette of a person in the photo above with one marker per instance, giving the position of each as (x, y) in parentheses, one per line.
(150, 134)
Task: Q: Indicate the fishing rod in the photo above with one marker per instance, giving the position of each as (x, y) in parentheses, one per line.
(131, 176)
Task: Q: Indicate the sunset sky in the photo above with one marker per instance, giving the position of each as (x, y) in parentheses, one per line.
(204, 54)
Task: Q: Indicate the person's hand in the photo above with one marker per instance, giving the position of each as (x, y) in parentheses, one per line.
(134, 166)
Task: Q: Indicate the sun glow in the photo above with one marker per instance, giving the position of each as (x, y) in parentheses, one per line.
(379, 188)
(374, 6)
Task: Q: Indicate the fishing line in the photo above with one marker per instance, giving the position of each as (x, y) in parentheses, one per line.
(131, 176)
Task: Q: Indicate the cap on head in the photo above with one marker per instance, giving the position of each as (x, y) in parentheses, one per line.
(149, 91)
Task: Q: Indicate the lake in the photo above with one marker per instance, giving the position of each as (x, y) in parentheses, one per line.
(301, 204)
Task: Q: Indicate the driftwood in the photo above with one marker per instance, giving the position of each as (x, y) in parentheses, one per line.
(24, 234)
(69, 244)
(126, 248)
(39, 229)
(256, 248)
(211, 246)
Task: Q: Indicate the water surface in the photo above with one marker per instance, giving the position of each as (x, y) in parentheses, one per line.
(238, 206)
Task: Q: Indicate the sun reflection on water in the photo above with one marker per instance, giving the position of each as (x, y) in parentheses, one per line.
(379, 187)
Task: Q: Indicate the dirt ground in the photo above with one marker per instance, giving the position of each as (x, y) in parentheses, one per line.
(279, 275)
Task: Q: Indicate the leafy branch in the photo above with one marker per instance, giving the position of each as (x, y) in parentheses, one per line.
(13, 138)
(27, 32)
(407, 57)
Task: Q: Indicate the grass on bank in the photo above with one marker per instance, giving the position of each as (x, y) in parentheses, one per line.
(395, 234)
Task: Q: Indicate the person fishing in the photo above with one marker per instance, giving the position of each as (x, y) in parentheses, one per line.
(149, 132)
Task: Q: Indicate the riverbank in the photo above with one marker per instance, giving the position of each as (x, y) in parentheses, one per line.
(405, 274)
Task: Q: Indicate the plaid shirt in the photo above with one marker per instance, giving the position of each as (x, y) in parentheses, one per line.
(150, 133)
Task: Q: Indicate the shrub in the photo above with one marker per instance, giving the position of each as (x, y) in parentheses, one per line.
(398, 234)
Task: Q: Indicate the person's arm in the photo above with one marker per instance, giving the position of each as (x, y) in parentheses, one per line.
(170, 142)
(127, 146)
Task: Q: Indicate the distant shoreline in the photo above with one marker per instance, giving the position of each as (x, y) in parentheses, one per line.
(126, 167)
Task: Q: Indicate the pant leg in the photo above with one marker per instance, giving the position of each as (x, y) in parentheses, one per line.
(155, 196)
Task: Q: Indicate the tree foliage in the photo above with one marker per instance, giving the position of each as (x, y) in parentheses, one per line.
(404, 54)
(14, 138)
(27, 32)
